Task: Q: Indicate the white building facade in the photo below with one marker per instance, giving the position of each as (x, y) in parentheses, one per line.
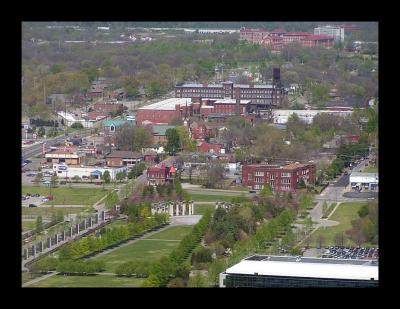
(281, 116)
(64, 171)
(360, 180)
(336, 32)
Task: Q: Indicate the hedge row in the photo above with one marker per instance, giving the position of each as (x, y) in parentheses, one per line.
(138, 269)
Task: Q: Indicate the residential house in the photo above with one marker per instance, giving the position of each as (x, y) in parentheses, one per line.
(123, 158)
(160, 174)
(160, 133)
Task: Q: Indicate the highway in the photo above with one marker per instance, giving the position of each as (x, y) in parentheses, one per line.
(35, 150)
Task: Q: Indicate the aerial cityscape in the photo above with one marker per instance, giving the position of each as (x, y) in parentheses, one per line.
(199, 154)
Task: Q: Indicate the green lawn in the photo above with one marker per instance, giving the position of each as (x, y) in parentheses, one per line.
(344, 213)
(176, 232)
(25, 277)
(200, 209)
(117, 223)
(68, 196)
(89, 281)
(47, 211)
(211, 198)
(28, 225)
(145, 250)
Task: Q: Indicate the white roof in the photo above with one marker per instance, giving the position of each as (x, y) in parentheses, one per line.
(364, 177)
(306, 269)
(231, 101)
(168, 104)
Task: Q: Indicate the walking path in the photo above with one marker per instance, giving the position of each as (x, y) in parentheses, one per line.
(39, 279)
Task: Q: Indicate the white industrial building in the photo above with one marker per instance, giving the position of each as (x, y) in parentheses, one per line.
(70, 119)
(168, 104)
(360, 180)
(292, 271)
(336, 32)
(64, 171)
(281, 116)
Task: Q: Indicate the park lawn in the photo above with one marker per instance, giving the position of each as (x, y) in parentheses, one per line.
(68, 196)
(344, 213)
(211, 198)
(145, 250)
(200, 209)
(371, 169)
(28, 225)
(173, 233)
(61, 281)
(117, 223)
(47, 211)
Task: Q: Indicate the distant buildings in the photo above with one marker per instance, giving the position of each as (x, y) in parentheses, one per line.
(123, 158)
(281, 116)
(160, 174)
(284, 178)
(336, 31)
(279, 38)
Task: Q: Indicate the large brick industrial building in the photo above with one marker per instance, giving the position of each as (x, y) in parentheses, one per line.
(168, 111)
(279, 38)
(281, 178)
(262, 95)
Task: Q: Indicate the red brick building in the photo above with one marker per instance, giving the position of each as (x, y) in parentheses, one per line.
(160, 174)
(211, 148)
(279, 38)
(164, 112)
(199, 131)
(281, 178)
(108, 107)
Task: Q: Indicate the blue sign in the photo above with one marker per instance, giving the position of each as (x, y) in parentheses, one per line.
(62, 168)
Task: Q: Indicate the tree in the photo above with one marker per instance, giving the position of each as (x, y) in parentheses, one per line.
(54, 180)
(38, 178)
(197, 281)
(120, 176)
(77, 125)
(186, 142)
(136, 170)
(39, 224)
(267, 191)
(112, 200)
(76, 178)
(215, 175)
(320, 94)
(106, 177)
(41, 132)
(173, 141)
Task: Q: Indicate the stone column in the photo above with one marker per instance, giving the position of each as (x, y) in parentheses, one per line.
(77, 226)
(49, 242)
(103, 215)
(97, 218)
(177, 209)
(71, 231)
(84, 224)
(26, 253)
(90, 221)
(34, 250)
(183, 209)
(57, 238)
(171, 209)
(41, 246)
(64, 235)
(192, 208)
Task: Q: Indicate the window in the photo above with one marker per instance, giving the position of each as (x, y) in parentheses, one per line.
(286, 174)
(249, 176)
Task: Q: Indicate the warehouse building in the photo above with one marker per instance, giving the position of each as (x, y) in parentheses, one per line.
(68, 172)
(300, 272)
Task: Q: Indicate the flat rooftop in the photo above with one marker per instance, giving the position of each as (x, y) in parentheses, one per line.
(291, 266)
(168, 104)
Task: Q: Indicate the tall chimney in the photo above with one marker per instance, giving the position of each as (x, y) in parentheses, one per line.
(237, 96)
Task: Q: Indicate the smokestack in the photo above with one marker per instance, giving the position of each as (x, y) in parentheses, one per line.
(237, 96)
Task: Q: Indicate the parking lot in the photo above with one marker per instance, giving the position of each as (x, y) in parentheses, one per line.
(351, 253)
(32, 200)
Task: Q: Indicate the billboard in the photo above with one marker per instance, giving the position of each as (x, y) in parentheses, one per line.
(62, 168)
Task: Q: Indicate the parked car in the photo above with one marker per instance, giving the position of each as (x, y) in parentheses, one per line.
(32, 205)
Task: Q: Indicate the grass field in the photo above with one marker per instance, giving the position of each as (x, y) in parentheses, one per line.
(211, 198)
(47, 211)
(89, 281)
(176, 232)
(344, 213)
(68, 196)
(146, 250)
(25, 277)
(28, 225)
(200, 209)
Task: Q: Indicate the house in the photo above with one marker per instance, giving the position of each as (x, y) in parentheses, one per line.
(111, 125)
(64, 156)
(123, 158)
(109, 107)
(160, 174)
(160, 133)
(211, 148)
(199, 131)
(149, 155)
